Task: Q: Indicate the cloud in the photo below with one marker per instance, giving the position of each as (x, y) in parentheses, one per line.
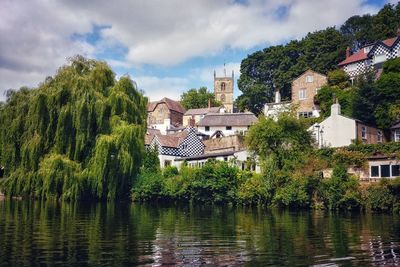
(37, 36)
(156, 88)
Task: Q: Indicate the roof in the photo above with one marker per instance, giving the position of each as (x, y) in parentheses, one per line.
(357, 56)
(206, 156)
(228, 119)
(202, 111)
(396, 125)
(361, 55)
(171, 104)
(308, 71)
(150, 133)
(172, 140)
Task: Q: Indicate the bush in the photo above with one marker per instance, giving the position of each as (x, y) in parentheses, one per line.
(379, 197)
(253, 189)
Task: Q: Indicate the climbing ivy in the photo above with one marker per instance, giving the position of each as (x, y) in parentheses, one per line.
(80, 134)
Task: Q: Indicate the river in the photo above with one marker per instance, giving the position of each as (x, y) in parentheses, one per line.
(115, 234)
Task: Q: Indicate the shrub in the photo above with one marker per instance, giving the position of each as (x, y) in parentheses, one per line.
(253, 189)
(379, 197)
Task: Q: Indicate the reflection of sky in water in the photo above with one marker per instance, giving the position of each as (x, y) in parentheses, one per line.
(122, 234)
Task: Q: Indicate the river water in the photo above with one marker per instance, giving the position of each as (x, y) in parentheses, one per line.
(90, 234)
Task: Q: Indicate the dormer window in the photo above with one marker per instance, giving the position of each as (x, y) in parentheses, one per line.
(309, 78)
(223, 86)
(367, 49)
(380, 137)
(364, 133)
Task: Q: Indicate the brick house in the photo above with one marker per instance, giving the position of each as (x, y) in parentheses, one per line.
(304, 90)
(338, 130)
(164, 113)
(371, 57)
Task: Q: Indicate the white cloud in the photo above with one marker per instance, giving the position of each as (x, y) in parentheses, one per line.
(156, 88)
(36, 35)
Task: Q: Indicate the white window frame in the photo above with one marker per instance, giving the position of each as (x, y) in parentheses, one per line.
(364, 133)
(317, 89)
(379, 58)
(302, 94)
(309, 78)
(397, 135)
(380, 136)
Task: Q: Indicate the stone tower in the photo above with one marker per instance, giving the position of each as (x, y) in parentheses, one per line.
(223, 90)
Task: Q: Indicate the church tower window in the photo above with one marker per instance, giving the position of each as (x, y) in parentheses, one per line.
(223, 98)
(223, 86)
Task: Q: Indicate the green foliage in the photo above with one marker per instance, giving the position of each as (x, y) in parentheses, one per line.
(254, 189)
(340, 192)
(198, 99)
(327, 94)
(151, 162)
(78, 135)
(170, 171)
(293, 194)
(338, 78)
(379, 197)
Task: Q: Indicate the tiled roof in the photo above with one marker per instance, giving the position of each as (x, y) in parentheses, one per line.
(171, 104)
(172, 140)
(357, 56)
(361, 55)
(202, 111)
(228, 119)
(150, 133)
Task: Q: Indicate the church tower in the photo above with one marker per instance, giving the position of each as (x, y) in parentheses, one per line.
(223, 90)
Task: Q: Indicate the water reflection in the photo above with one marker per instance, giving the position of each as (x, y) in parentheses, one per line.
(44, 233)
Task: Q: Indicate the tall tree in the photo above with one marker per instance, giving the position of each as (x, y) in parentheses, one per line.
(198, 98)
(79, 134)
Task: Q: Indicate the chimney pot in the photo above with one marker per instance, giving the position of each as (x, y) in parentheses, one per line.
(398, 32)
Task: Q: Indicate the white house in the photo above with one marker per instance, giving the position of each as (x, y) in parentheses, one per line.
(272, 110)
(226, 124)
(338, 130)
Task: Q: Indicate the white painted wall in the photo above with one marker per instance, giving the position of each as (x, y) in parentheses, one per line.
(213, 129)
(272, 110)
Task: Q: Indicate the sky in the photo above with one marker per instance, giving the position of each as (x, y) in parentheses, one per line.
(166, 46)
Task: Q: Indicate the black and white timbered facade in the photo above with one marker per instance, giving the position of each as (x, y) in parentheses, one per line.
(371, 57)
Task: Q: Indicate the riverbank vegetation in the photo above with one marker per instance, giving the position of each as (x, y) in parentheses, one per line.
(78, 135)
(292, 175)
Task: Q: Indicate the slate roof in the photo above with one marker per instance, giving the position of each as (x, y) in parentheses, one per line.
(171, 104)
(396, 126)
(228, 119)
(202, 111)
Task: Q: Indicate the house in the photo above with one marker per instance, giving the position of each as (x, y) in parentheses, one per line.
(172, 146)
(228, 148)
(371, 57)
(193, 116)
(376, 168)
(164, 113)
(304, 89)
(338, 130)
(395, 129)
(225, 124)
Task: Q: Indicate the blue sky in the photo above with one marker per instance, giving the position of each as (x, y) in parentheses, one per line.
(167, 47)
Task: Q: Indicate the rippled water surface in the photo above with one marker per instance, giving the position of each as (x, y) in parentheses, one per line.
(47, 233)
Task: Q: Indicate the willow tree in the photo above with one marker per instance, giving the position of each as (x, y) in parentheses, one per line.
(80, 134)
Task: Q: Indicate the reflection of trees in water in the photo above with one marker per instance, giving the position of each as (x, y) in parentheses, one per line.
(34, 232)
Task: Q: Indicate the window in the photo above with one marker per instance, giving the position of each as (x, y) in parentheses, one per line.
(352, 67)
(385, 171)
(379, 58)
(374, 171)
(302, 94)
(223, 86)
(167, 163)
(228, 128)
(364, 132)
(222, 98)
(207, 128)
(305, 114)
(184, 146)
(225, 158)
(395, 170)
(380, 137)
(397, 135)
(309, 78)
(367, 49)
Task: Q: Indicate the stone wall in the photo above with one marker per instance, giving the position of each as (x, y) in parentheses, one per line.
(224, 94)
(227, 143)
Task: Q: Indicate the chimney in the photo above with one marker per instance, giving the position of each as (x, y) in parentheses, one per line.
(347, 52)
(192, 122)
(335, 109)
(209, 104)
(277, 96)
(398, 32)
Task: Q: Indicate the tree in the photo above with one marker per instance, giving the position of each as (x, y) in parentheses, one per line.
(276, 67)
(80, 134)
(327, 95)
(366, 99)
(338, 78)
(198, 98)
(387, 109)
